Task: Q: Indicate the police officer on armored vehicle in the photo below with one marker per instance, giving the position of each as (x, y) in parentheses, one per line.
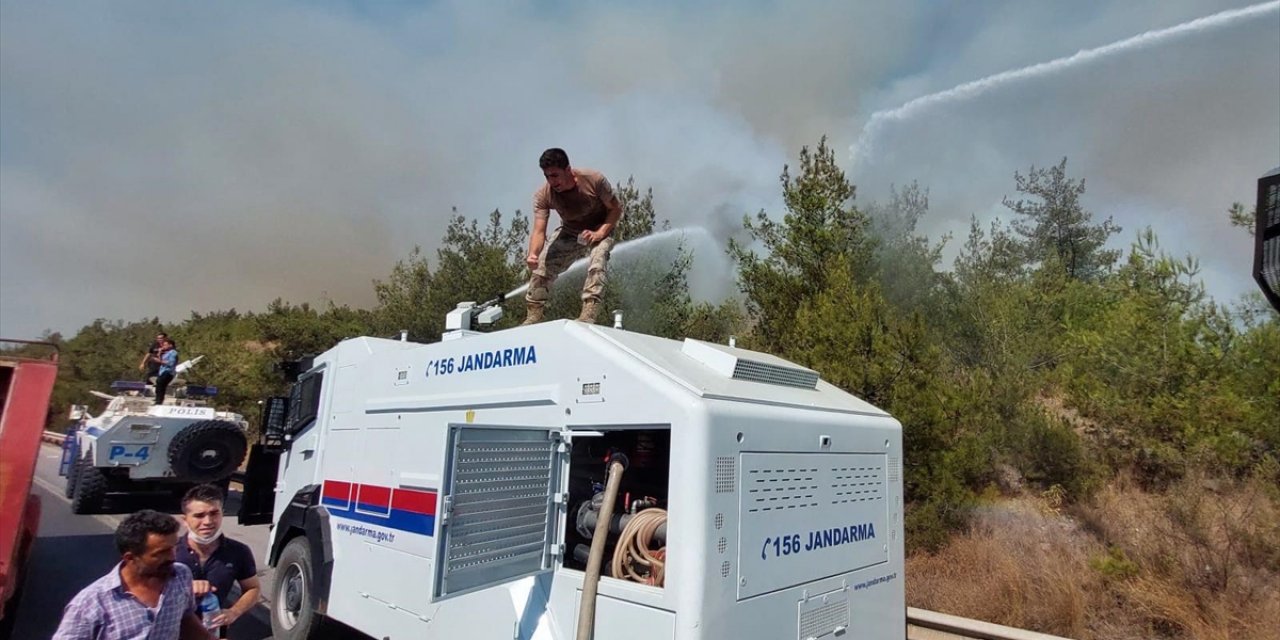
(149, 366)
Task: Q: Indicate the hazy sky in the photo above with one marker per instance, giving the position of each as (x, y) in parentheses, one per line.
(158, 157)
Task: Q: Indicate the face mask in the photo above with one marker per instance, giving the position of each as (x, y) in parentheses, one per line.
(203, 540)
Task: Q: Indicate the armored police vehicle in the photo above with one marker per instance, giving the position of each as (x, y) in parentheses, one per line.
(565, 480)
(137, 446)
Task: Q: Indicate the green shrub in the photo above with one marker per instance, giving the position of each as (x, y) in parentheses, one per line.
(1115, 565)
(931, 522)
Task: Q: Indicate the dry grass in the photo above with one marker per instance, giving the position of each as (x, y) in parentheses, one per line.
(258, 346)
(1019, 565)
(1208, 551)
(1201, 562)
(1056, 404)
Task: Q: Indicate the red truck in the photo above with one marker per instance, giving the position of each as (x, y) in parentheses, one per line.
(26, 382)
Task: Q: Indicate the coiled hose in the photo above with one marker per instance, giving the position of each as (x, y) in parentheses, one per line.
(632, 558)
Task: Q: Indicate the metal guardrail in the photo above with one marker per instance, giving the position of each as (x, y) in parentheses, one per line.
(931, 625)
(921, 624)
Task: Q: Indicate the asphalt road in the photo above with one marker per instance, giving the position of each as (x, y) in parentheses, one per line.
(73, 551)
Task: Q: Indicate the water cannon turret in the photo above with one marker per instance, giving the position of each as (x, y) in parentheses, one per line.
(186, 365)
(469, 317)
(489, 312)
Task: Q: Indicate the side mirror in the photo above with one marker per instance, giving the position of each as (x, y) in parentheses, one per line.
(1266, 236)
(274, 412)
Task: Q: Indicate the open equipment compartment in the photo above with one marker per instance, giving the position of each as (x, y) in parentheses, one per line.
(636, 547)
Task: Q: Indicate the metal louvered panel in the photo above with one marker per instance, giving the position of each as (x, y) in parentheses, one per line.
(498, 507)
(753, 371)
(825, 616)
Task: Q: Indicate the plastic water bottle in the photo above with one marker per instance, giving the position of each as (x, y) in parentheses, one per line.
(209, 609)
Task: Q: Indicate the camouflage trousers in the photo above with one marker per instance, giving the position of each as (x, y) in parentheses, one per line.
(561, 249)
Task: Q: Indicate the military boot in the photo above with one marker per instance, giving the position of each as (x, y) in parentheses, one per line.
(590, 308)
(534, 314)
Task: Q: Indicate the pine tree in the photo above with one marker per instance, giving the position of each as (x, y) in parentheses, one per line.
(1057, 229)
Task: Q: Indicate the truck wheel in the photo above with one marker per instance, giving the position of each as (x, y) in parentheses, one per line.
(207, 451)
(91, 487)
(294, 601)
(72, 473)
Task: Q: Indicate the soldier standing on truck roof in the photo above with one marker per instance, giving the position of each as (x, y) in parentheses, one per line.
(588, 211)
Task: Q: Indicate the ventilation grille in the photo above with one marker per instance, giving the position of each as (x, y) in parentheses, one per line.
(498, 509)
(819, 619)
(895, 468)
(725, 476)
(856, 484)
(777, 489)
(753, 371)
(724, 569)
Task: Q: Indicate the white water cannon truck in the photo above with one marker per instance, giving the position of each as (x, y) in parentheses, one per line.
(565, 480)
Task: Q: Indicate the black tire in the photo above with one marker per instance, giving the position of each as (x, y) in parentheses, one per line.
(72, 473)
(207, 451)
(293, 590)
(91, 487)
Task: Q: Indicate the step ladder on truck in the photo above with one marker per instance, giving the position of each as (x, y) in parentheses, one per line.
(27, 373)
(567, 481)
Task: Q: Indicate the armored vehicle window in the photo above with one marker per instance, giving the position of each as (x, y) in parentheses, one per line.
(304, 402)
(136, 405)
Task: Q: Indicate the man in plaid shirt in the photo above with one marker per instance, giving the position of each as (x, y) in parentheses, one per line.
(145, 597)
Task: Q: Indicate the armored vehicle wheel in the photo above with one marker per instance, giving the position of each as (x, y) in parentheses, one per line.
(293, 602)
(207, 451)
(72, 473)
(90, 489)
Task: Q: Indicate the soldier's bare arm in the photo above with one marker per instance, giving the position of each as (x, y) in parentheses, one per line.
(613, 214)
